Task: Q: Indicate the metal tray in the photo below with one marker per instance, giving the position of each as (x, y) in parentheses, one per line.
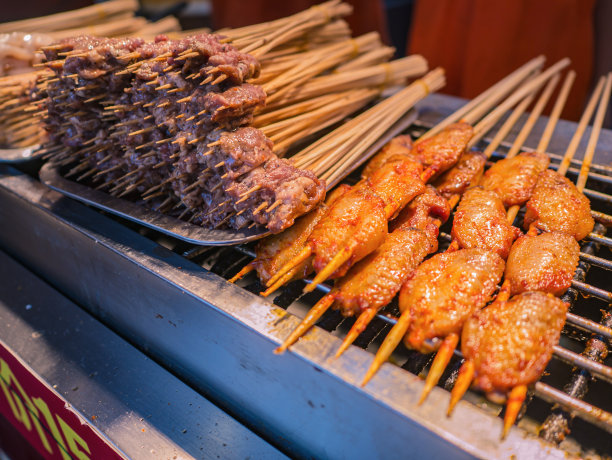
(20, 155)
(50, 175)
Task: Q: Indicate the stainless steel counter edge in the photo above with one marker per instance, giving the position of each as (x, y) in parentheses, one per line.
(219, 338)
(135, 404)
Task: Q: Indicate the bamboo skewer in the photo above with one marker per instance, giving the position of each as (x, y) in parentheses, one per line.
(507, 83)
(597, 124)
(69, 19)
(396, 334)
(448, 346)
(548, 131)
(322, 156)
(532, 85)
(601, 94)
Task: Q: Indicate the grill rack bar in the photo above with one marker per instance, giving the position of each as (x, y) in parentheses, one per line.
(557, 423)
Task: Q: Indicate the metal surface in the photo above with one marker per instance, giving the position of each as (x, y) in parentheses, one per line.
(20, 155)
(50, 176)
(219, 338)
(136, 404)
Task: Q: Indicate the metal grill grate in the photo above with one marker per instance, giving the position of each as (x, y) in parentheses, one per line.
(578, 379)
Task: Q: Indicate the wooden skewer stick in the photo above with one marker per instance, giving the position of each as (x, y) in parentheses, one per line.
(502, 87)
(597, 124)
(533, 85)
(582, 124)
(463, 382)
(443, 356)
(311, 318)
(548, 131)
(533, 117)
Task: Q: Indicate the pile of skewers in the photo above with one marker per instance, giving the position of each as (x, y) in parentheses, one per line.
(167, 122)
(507, 334)
(20, 44)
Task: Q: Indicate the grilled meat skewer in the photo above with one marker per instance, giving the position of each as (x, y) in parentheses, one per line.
(514, 179)
(460, 177)
(557, 205)
(373, 282)
(507, 346)
(481, 222)
(436, 300)
(274, 251)
(545, 263)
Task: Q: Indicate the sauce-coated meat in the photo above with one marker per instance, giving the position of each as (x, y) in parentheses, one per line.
(356, 222)
(480, 222)
(375, 280)
(546, 263)
(399, 145)
(397, 182)
(514, 179)
(443, 150)
(276, 250)
(510, 343)
(422, 211)
(557, 205)
(445, 290)
(465, 173)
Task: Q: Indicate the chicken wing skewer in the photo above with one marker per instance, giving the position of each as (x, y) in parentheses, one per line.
(341, 238)
(375, 280)
(556, 203)
(437, 153)
(507, 346)
(539, 266)
(511, 179)
(480, 222)
(515, 176)
(274, 251)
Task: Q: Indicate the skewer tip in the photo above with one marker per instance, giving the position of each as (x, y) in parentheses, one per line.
(463, 382)
(309, 320)
(443, 356)
(362, 322)
(334, 264)
(513, 407)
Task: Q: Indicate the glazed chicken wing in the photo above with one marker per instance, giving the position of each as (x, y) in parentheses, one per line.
(276, 250)
(465, 173)
(510, 343)
(557, 205)
(374, 281)
(355, 223)
(546, 263)
(397, 182)
(480, 222)
(442, 151)
(447, 289)
(514, 179)
(427, 209)
(399, 145)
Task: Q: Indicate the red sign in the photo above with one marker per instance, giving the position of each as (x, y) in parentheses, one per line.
(44, 418)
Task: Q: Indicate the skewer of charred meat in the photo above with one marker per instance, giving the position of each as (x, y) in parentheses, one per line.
(176, 111)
